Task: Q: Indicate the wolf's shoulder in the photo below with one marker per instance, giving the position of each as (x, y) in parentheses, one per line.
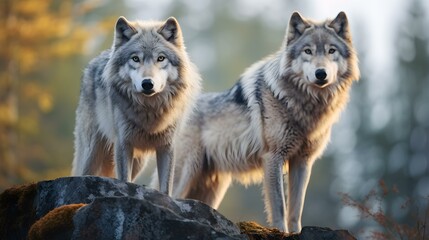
(93, 72)
(96, 66)
(100, 60)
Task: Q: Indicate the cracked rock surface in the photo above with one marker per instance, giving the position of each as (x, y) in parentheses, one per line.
(93, 207)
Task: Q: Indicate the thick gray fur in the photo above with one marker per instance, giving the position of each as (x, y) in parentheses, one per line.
(275, 120)
(119, 124)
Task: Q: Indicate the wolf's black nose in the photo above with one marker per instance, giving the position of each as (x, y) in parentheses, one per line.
(147, 84)
(321, 74)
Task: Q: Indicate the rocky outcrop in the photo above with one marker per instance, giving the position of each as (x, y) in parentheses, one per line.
(131, 218)
(17, 212)
(255, 231)
(111, 209)
(104, 208)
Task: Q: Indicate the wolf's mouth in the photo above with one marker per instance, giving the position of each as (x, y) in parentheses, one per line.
(148, 92)
(321, 83)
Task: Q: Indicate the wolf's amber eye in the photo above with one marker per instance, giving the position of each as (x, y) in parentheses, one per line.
(307, 51)
(135, 59)
(332, 51)
(161, 58)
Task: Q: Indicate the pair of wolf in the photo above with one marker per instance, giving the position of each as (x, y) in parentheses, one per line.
(143, 96)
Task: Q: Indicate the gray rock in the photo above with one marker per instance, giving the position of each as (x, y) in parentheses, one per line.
(68, 190)
(116, 197)
(319, 233)
(64, 191)
(130, 218)
(112, 209)
(257, 232)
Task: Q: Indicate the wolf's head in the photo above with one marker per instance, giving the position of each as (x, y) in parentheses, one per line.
(321, 53)
(146, 56)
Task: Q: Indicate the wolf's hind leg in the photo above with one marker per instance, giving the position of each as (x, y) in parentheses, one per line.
(209, 188)
(89, 157)
(188, 160)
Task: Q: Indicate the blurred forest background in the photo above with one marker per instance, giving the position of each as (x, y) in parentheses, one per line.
(383, 134)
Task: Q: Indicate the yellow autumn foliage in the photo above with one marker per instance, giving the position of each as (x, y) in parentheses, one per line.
(35, 36)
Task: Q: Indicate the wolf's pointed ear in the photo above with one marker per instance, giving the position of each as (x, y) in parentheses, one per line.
(341, 26)
(171, 31)
(297, 26)
(123, 31)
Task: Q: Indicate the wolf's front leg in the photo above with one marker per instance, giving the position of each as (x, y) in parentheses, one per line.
(165, 165)
(123, 160)
(274, 191)
(299, 176)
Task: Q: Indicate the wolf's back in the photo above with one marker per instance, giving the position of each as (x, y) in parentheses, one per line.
(92, 75)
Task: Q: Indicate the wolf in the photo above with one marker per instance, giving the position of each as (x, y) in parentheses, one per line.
(132, 98)
(275, 120)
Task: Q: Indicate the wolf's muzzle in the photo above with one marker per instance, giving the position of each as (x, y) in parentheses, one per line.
(321, 74)
(321, 77)
(147, 85)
